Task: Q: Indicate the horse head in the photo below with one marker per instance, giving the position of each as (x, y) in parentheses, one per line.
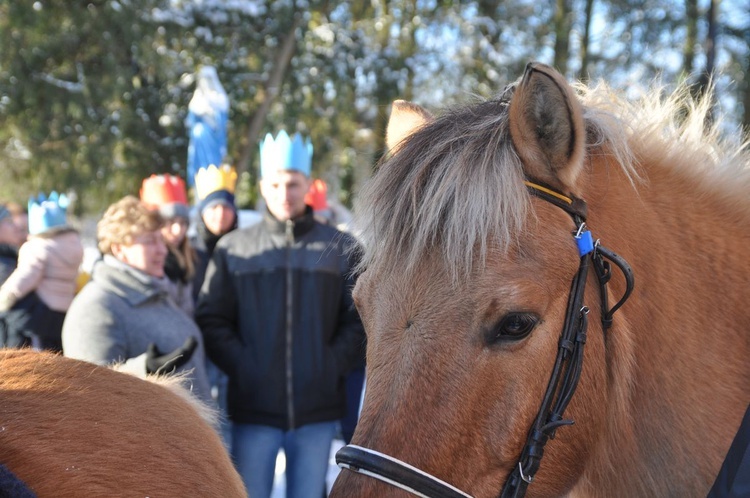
(474, 290)
(463, 326)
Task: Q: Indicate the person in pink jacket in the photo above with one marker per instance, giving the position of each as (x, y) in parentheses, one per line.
(36, 296)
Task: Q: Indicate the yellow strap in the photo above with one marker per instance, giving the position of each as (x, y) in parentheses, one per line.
(558, 195)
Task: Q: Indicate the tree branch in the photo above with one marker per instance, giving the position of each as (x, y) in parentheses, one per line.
(273, 86)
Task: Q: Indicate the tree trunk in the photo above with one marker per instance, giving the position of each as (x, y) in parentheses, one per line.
(691, 37)
(583, 73)
(563, 15)
(273, 85)
(745, 90)
(710, 47)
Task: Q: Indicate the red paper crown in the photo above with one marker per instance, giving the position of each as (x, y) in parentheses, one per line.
(317, 196)
(160, 190)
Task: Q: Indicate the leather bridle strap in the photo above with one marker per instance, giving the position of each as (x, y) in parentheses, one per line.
(395, 472)
(569, 361)
(577, 209)
(562, 384)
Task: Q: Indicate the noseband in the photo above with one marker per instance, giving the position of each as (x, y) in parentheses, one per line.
(562, 383)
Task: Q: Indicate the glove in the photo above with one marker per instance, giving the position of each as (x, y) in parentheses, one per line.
(158, 363)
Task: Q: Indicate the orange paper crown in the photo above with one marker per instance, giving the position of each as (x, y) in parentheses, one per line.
(161, 190)
(211, 179)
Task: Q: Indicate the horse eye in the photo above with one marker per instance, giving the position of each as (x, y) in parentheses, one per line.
(513, 327)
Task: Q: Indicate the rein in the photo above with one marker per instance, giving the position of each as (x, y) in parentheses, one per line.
(560, 388)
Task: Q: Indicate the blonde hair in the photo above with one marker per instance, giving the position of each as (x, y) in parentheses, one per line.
(123, 221)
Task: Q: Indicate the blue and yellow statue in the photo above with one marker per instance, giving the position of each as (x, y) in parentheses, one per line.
(206, 122)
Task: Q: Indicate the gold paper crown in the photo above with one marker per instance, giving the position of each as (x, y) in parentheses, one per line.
(211, 179)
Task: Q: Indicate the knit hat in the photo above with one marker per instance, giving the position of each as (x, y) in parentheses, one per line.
(217, 197)
(166, 193)
(284, 153)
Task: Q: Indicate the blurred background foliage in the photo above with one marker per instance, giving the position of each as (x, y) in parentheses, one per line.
(93, 95)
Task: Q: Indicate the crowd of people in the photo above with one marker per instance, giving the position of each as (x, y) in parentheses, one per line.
(259, 320)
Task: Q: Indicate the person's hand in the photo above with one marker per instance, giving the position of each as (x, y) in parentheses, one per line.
(158, 363)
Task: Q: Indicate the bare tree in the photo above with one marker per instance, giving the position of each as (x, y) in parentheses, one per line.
(691, 36)
(275, 79)
(745, 97)
(710, 46)
(563, 22)
(583, 73)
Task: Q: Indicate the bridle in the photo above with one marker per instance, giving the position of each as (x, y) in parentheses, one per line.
(562, 383)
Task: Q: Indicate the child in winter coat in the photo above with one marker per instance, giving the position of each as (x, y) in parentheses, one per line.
(36, 296)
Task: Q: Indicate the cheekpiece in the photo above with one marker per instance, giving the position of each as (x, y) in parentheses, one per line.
(46, 213)
(284, 153)
(160, 190)
(211, 179)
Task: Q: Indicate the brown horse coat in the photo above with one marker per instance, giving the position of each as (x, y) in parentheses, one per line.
(70, 429)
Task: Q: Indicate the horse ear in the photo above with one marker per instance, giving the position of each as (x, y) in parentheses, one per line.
(547, 128)
(405, 119)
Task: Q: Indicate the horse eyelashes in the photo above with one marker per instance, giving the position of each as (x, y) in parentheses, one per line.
(512, 327)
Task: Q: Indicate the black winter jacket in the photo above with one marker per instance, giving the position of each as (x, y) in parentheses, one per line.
(277, 316)
(203, 243)
(8, 261)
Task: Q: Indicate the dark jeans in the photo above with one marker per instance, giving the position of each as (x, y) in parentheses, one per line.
(30, 321)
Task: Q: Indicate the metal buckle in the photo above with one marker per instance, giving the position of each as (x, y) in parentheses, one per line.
(526, 479)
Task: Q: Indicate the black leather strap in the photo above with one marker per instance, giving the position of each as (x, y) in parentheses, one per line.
(568, 203)
(395, 472)
(603, 273)
(560, 389)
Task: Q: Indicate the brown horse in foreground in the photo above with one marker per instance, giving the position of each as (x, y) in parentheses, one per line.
(70, 429)
(469, 230)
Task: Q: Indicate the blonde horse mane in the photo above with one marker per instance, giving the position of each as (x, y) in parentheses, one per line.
(180, 384)
(454, 187)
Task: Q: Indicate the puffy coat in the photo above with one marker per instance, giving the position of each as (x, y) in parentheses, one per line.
(277, 316)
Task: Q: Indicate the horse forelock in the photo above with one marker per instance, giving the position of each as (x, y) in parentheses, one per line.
(453, 187)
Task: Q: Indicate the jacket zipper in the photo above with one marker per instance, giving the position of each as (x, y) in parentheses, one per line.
(289, 317)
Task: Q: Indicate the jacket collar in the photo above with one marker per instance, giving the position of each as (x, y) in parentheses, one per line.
(301, 225)
(133, 285)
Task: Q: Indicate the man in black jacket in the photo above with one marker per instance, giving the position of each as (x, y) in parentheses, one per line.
(277, 315)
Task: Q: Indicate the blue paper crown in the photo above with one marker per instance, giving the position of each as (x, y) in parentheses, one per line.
(293, 154)
(47, 212)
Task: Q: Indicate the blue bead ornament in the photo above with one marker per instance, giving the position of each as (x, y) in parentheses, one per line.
(585, 243)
